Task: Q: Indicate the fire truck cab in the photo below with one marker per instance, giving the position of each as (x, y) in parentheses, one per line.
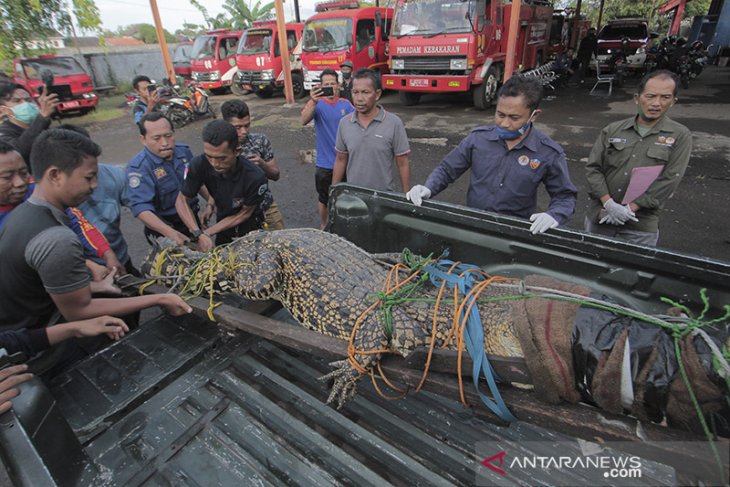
(259, 60)
(213, 59)
(70, 82)
(451, 46)
(341, 31)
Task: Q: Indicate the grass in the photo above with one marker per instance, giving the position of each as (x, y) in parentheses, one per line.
(109, 108)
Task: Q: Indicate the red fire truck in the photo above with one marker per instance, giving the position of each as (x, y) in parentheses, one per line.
(341, 31)
(259, 60)
(561, 32)
(70, 82)
(441, 46)
(213, 59)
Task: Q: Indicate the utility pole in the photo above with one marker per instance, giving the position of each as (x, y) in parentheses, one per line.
(162, 41)
(514, 26)
(284, 47)
(296, 10)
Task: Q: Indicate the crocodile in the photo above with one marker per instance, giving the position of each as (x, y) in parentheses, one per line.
(333, 287)
(327, 284)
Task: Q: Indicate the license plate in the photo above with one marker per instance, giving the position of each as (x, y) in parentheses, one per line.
(72, 104)
(418, 82)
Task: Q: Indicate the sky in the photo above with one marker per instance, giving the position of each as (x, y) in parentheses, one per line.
(173, 13)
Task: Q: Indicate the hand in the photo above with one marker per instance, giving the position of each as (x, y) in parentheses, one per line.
(178, 238)
(106, 285)
(542, 222)
(151, 99)
(174, 304)
(207, 213)
(417, 194)
(620, 214)
(47, 102)
(98, 272)
(255, 158)
(10, 377)
(205, 243)
(112, 262)
(315, 94)
(114, 328)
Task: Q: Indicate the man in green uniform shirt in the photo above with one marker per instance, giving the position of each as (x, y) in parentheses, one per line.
(636, 164)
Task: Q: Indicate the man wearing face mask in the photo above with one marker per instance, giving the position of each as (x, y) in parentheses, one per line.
(346, 87)
(25, 119)
(508, 162)
(647, 148)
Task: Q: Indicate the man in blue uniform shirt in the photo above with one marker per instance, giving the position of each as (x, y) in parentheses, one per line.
(238, 186)
(508, 161)
(155, 176)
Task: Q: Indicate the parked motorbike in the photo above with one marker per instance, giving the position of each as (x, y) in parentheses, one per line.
(698, 59)
(180, 108)
(682, 68)
(618, 63)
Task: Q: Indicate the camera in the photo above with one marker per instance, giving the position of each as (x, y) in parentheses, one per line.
(327, 91)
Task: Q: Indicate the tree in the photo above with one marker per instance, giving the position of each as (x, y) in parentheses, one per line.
(243, 16)
(22, 21)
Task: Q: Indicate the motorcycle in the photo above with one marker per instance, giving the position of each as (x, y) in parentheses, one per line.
(618, 66)
(181, 109)
(698, 59)
(683, 67)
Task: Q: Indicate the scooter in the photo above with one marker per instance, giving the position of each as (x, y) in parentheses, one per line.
(181, 109)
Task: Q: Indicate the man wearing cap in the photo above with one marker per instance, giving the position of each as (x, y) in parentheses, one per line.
(346, 87)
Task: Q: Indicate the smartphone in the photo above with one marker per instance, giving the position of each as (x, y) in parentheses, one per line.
(151, 88)
(327, 91)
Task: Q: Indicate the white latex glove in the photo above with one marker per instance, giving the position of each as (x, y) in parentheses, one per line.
(417, 194)
(542, 222)
(620, 214)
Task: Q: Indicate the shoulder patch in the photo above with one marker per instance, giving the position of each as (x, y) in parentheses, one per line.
(134, 181)
(262, 189)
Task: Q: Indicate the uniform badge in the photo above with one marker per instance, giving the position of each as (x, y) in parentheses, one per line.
(670, 140)
(134, 182)
(662, 139)
(523, 160)
(262, 189)
(185, 171)
(160, 173)
(616, 140)
(237, 203)
(535, 163)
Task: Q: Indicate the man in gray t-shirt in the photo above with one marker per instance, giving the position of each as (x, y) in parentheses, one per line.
(370, 139)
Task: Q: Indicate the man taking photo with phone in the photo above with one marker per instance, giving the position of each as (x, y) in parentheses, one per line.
(148, 97)
(326, 108)
(25, 119)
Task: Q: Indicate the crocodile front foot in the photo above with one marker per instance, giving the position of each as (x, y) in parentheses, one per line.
(344, 385)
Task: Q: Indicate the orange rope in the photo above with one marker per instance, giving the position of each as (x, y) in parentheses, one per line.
(392, 283)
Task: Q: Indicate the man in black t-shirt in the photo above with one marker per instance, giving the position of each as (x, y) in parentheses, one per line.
(237, 185)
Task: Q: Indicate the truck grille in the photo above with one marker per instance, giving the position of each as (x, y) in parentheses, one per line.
(202, 75)
(250, 77)
(426, 63)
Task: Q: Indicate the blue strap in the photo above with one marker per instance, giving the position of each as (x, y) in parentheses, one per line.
(473, 331)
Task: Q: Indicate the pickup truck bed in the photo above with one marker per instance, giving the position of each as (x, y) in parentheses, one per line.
(189, 402)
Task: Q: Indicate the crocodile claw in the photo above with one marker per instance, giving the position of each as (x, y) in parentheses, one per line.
(344, 387)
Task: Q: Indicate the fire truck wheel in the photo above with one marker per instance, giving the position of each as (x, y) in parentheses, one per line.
(219, 91)
(238, 90)
(297, 82)
(409, 99)
(485, 93)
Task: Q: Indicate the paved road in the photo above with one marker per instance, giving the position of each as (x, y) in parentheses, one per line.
(695, 220)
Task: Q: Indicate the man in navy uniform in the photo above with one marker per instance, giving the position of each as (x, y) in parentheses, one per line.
(508, 161)
(237, 185)
(155, 176)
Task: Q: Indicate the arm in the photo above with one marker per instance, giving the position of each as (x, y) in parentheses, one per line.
(597, 186)
(154, 223)
(114, 328)
(561, 189)
(30, 342)
(309, 107)
(404, 169)
(79, 305)
(233, 220)
(93, 241)
(667, 182)
(450, 168)
(205, 243)
(338, 172)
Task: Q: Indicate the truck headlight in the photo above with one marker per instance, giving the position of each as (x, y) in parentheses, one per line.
(88, 95)
(267, 74)
(194, 75)
(215, 75)
(399, 64)
(457, 64)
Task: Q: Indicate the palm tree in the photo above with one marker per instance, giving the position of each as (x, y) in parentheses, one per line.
(243, 16)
